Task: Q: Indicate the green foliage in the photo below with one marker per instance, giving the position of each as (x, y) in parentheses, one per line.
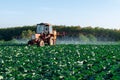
(27, 34)
(92, 38)
(76, 62)
(83, 38)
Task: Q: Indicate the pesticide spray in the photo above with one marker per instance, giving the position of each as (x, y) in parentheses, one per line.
(73, 40)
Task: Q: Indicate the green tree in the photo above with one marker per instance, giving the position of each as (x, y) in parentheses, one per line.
(83, 38)
(27, 33)
(92, 38)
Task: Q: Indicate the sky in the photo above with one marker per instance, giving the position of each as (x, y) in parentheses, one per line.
(95, 13)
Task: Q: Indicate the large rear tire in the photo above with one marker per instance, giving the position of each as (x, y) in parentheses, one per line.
(51, 41)
(41, 43)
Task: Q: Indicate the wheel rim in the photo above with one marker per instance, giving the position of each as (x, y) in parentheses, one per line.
(51, 41)
(41, 43)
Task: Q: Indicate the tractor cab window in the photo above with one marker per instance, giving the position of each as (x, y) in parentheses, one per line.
(40, 29)
(50, 29)
(46, 29)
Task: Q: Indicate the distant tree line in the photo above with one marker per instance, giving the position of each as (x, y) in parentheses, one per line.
(99, 34)
(15, 32)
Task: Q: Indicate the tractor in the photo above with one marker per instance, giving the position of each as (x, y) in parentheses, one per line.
(44, 35)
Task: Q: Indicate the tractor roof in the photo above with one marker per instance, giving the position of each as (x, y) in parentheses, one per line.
(47, 24)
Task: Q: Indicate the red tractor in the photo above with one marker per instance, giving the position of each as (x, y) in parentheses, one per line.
(44, 35)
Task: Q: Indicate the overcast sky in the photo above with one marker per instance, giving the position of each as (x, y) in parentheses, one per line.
(103, 13)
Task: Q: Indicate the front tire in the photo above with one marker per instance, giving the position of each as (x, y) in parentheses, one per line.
(31, 42)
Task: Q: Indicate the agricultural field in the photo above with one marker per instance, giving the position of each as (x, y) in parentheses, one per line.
(69, 62)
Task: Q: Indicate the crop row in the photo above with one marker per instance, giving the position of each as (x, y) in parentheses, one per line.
(91, 62)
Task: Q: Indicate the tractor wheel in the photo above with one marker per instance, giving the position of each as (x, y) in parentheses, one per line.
(30, 42)
(51, 41)
(41, 43)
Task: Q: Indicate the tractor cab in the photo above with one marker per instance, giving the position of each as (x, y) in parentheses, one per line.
(44, 28)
